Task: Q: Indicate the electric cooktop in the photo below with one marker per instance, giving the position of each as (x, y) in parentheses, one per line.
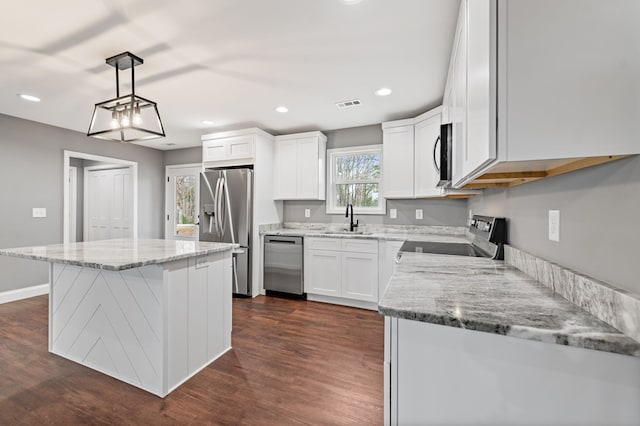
(489, 237)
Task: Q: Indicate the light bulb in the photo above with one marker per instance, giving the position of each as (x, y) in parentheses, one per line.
(125, 120)
(137, 119)
(114, 120)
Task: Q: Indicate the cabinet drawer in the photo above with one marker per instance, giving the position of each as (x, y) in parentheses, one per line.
(322, 243)
(360, 246)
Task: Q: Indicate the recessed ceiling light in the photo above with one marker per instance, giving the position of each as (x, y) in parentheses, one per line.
(170, 144)
(30, 98)
(351, 2)
(383, 91)
(207, 122)
(282, 109)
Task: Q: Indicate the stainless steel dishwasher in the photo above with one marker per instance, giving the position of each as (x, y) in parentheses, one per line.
(283, 265)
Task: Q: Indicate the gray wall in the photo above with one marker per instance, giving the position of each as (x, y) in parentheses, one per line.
(435, 212)
(183, 156)
(31, 167)
(599, 214)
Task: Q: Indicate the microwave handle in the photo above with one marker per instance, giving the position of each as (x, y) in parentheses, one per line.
(435, 162)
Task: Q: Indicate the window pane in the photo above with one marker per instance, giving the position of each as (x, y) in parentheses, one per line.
(185, 206)
(358, 167)
(358, 194)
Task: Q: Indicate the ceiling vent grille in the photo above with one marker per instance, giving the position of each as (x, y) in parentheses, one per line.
(348, 104)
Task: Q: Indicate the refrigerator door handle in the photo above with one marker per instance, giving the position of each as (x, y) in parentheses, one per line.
(208, 185)
(218, 208)
(228, 203)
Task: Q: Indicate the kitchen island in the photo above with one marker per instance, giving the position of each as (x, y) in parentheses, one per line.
(151, 313)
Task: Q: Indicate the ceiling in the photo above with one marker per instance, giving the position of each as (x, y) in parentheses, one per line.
(228, 61)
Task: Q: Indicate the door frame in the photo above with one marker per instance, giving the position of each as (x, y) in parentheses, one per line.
(73, 202)
(169, 209)
(84, 156)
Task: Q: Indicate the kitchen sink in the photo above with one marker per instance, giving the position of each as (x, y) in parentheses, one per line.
(345, 232)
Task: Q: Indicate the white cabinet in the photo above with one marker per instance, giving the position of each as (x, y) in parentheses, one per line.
(322, 272)
(229, 148)
(408, 151)
(397, 161)
(300, 166)
(344, 269)
(526, 103)
(427, 155)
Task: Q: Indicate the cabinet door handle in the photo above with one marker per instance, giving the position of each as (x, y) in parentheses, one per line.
(435, 162)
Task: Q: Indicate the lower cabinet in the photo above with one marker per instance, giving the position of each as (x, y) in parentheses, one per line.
(387, 263)
(343, 269)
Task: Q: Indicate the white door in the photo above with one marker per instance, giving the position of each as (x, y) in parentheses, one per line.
(397, 152)
(360, 276)
(308, 165)
(109, 201)
(285, 185)
(322, 272)
(182, 202)
(427, 177)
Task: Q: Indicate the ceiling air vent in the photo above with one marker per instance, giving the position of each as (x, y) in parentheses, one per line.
(348, 104)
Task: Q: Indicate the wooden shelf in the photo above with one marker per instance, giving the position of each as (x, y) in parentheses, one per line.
(508, 179)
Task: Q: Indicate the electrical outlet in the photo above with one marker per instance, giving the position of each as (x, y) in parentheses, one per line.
(307, 212)
(418, 213)
(554, 225)
(393, 213)
(39, 212)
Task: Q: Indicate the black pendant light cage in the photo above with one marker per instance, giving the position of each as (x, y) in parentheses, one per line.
(127, 118)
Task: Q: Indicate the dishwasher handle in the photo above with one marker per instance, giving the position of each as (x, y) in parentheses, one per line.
(283, 240)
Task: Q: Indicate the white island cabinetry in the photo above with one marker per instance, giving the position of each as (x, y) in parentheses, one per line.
(151, 313)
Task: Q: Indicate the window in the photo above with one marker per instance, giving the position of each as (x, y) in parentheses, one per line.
(355, 177)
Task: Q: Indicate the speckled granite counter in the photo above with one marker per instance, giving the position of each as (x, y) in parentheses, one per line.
(486, 295)
(117, 255)
(374, 232)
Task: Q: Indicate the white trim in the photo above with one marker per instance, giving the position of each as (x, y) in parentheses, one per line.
(65, 179)
(73, 202)
(23, 293)
(361, 304)
(382, 202)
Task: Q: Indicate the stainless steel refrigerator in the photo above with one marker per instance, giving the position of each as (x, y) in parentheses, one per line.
(226, 215)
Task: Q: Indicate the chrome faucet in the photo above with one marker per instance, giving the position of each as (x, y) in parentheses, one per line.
(352, 225)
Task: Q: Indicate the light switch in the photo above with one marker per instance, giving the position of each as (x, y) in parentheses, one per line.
(418, 213)
(39, 212)
(393, 213)
(307, 212)
(554, 225)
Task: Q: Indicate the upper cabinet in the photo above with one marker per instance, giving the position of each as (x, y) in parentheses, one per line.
(233, 148)
(300, 166)
(410, 154)
(536, 88)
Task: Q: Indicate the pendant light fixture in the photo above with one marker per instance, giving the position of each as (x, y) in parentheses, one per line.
(127, 118)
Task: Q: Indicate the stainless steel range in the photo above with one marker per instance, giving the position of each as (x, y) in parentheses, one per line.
(489, 236)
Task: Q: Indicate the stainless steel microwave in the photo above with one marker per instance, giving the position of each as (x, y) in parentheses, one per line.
(442, 159)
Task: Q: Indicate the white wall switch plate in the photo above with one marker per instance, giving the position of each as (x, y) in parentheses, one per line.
(418, 213)
(307, 212)
(39, 212)
(393, 213)
(554, 225)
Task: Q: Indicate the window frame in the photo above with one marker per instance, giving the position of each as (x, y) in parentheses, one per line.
(331, 208)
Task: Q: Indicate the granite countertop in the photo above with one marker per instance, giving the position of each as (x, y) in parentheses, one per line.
(487, 295)
(417, 233)
(119, 254)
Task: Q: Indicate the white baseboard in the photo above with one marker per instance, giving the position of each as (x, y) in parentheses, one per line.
(24, 293)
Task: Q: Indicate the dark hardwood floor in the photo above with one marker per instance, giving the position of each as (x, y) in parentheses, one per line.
(292, 362)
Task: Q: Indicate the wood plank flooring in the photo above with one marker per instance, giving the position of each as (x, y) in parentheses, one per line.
(292, 362)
